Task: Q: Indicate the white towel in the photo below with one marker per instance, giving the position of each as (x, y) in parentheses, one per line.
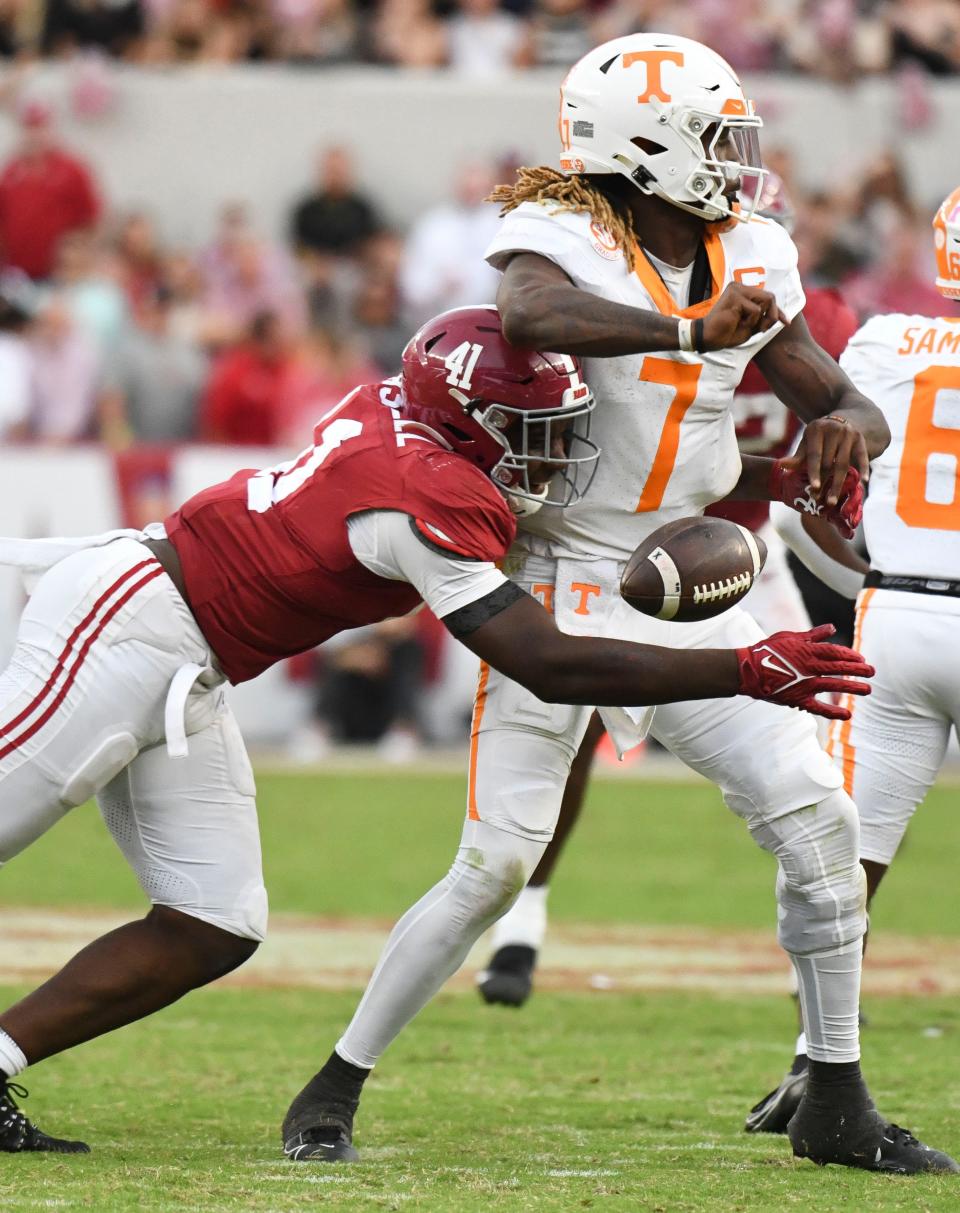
(33, 557)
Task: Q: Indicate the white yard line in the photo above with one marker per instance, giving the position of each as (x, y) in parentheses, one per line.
(655, 767)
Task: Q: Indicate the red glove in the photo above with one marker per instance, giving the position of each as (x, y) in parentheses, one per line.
(791, 485)
(792, 668)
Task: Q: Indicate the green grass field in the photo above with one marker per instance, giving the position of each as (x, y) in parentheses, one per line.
(581, 1100)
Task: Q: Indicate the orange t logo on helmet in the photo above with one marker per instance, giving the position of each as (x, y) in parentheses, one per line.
(670, 115)
(654, 61)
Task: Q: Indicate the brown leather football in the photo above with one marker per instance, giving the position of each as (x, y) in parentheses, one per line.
(692, 568)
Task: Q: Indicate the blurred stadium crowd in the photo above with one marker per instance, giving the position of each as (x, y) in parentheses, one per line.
(836, 39)
(109, 333)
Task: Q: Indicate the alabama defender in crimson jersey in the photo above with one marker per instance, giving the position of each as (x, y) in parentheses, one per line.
(287, 577)
(410, 490)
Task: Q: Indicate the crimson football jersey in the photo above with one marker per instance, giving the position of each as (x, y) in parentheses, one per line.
(267, 565)
(765, 426)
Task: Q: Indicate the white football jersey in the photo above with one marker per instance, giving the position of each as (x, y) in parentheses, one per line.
(910, 367)
(663, 420)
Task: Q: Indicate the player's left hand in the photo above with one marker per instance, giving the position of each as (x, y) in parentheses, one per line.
(829, 448)
(789, 483)
(793, 668)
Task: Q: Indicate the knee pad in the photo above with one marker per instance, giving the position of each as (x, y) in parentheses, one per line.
(246, 918)
(251, 918)
(821, 887)
(490, 869)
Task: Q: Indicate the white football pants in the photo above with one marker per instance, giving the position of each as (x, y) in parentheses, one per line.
(765, 759)
(91, 695)
(892, 748)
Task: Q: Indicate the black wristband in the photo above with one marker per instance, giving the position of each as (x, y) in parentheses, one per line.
(696, 334)
(475, 614)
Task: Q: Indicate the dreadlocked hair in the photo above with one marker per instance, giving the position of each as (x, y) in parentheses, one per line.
(575, 193)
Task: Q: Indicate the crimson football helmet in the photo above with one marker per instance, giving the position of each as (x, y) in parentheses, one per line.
(509, 411)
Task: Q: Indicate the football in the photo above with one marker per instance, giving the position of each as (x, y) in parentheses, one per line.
(692, 568)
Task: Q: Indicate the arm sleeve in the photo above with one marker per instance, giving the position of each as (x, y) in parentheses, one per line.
(386, 543)
(789, 526)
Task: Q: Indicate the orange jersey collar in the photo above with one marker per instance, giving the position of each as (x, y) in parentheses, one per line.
(654, 286)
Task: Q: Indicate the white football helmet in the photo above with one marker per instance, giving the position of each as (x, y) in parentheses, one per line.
(655, 108)
(946, 241)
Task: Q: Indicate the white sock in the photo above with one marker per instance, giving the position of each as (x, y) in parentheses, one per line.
(830, 1002)
(525, 923)
(800, 1048)
(12, 1060)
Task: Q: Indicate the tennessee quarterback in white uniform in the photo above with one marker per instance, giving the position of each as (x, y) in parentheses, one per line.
(764, 426)
(908, 611)
(638, 258)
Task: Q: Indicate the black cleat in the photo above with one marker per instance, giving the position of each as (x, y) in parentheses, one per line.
(774, 1112)
(319, 1125)
(862, 1139)
(321, 1144)
(18, 1135)
(508, 979)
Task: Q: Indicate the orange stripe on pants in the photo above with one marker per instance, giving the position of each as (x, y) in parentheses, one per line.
(848, 751)
(478, 705)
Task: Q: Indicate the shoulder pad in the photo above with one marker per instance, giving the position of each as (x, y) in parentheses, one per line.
(458, 508)
(772, 242)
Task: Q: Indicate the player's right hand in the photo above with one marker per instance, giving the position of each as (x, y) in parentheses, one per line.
(740, 312)
(792, 668)
(790, 483)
